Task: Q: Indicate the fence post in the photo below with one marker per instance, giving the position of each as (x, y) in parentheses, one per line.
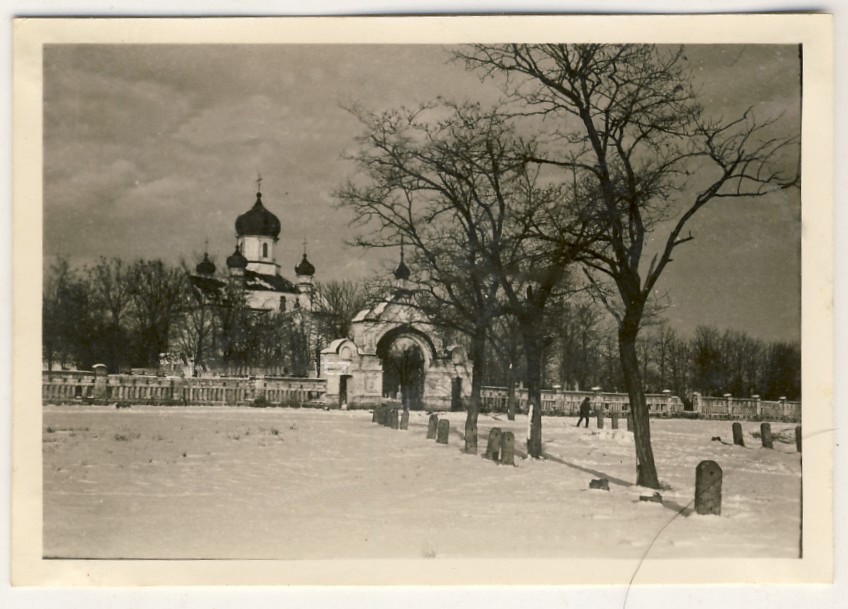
(100, 381)
(708, 488)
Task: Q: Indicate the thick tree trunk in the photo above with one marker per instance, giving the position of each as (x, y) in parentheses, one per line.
(534, 395)
(478, 346)
(646, 470)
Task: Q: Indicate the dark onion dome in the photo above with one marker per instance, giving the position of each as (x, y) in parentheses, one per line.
(236, 260)
(402, 271)
(206, 267)
(305, 267)
(258, 221)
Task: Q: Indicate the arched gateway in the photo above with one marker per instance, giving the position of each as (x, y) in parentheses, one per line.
(395, 354)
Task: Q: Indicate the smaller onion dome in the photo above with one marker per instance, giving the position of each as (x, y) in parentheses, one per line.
(237, 260)
(206, 267)
(305, 267)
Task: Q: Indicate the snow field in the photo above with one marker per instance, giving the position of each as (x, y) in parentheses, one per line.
(204, 482)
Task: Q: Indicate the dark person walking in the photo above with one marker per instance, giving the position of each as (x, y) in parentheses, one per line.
(585, 410)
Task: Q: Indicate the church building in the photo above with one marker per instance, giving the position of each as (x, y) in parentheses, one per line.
(254, 264)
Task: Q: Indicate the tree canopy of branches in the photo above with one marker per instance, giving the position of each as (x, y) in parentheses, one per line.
(338, 304)
(452, 181)
(629, 128)
(438, 178)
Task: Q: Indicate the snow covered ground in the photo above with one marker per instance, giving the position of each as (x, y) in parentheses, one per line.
(207, 482)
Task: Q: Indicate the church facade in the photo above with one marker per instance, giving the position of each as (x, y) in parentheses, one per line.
(393, 352)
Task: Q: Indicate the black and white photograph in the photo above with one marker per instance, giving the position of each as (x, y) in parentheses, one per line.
(448, 301)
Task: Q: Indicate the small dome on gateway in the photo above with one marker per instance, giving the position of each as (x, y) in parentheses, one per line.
(305, 267)
(258, 221)
(402, 271)
(236, 260)
(206, 266)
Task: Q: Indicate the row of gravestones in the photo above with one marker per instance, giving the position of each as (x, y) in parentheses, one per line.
(708, 474)
(500, 447)
(765, 436)
(388, 417)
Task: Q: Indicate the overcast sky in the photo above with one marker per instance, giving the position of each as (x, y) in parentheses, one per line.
(149, 150)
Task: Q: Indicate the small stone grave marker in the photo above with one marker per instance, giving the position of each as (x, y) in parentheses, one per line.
(738, 440)
(508, 448)
(404, 420)
(600, 418)
(432, 424)
(655, 498)
(601, 485)
(614, 420)
(443, 431)
(393, 418)
(765, 435)
(708, 488)
(493, 446)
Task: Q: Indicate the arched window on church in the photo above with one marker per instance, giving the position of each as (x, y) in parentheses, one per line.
(264, 250)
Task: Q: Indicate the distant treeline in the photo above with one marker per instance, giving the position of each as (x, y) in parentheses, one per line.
(131, 314)
(582, 352)
(128, 314)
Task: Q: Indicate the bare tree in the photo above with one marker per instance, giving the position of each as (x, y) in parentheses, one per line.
(439, 177)
(338, 304)
(110, 292)
(157, 293)
(628, 121)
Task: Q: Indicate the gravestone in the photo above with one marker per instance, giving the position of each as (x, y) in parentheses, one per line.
(442, 431)
(432, 424)
(738, 440)
(600, 418)
(393, 418)
(404, 420)
(508, 448)
(615, 420)
(493, 446)
(798, 438)
(765, 435)
(375, 414)
(708, 488)
(601, 485)
(655, 498)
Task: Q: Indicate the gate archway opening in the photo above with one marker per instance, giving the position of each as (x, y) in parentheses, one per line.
(404, 362)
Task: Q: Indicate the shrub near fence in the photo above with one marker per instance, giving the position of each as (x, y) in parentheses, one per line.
(76, 387)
